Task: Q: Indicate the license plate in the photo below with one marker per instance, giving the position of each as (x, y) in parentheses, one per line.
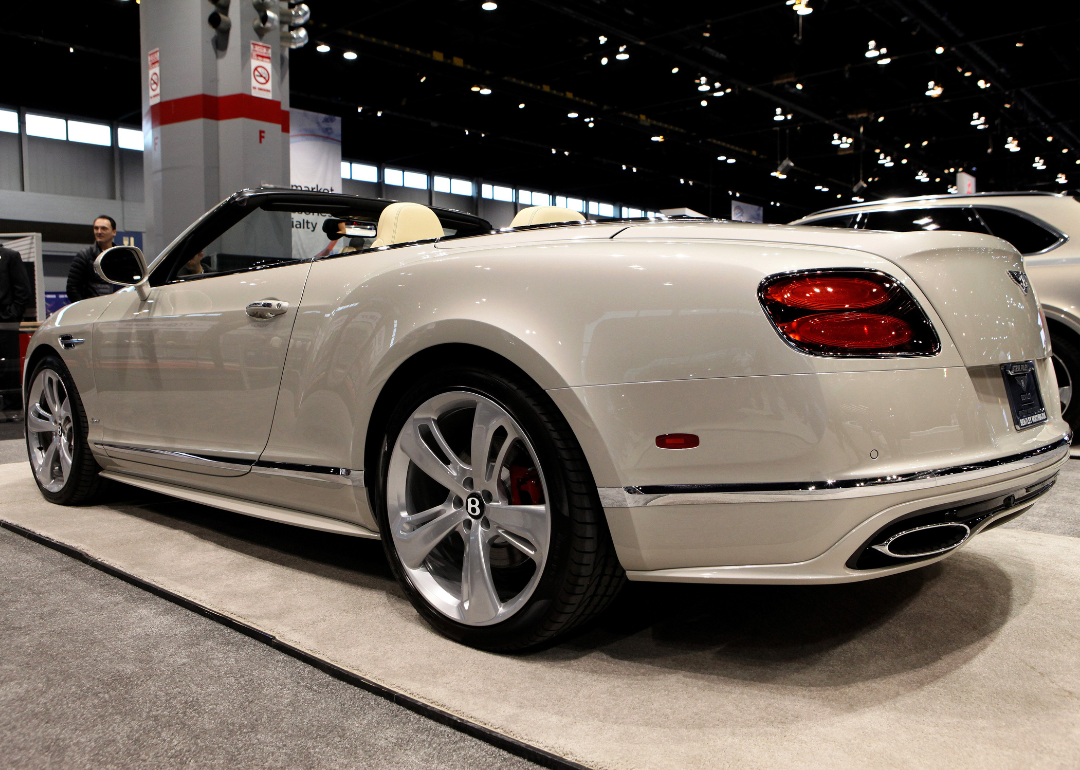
(1022, 385)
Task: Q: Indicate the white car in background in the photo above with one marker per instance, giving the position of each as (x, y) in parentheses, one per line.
(1037, 224)
(526, 416)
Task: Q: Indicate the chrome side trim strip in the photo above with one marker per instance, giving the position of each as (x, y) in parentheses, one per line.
(712, 494)
(345, 476)
(143, 454)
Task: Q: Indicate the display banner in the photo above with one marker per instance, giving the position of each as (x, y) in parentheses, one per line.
(746, 212)
(314, 164)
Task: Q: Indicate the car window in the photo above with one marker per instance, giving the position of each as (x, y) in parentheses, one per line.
(847, 220)
(1026, 236)
(245, 239)
(910, 220)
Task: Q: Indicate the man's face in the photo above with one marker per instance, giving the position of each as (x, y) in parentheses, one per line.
(103, 231)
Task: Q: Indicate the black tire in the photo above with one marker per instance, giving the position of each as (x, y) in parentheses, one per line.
(581, 575)
(83, 482)
(1066, 358)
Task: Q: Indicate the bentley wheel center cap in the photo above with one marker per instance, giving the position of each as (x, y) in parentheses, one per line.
(474, 506)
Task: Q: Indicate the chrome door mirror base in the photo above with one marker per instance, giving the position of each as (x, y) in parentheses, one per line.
(124, 266)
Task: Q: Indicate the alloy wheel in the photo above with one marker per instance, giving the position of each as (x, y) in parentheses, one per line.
(50, 430)
(468, 508)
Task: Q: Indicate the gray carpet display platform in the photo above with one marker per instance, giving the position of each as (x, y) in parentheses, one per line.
(971, 663)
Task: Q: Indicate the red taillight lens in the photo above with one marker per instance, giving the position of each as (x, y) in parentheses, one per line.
(849, 330)
(822, 312)
(824, 292)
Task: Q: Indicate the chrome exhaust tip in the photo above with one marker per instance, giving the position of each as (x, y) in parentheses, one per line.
(928, 540)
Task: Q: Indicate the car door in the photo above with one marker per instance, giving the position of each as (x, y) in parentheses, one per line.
(189, 378)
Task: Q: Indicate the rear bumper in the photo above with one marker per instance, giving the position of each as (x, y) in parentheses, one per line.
(813, 535)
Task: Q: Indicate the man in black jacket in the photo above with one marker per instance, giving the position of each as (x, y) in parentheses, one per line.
(14, 297)
(14, 286)
(83, 281)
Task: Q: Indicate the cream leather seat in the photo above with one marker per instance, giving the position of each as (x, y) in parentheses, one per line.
(542, 215)
(405, 223)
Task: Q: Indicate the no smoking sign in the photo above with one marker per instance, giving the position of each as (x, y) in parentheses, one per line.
(262, 71)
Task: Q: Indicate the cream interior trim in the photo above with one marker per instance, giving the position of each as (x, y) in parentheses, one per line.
(542, 215)
(246, 507)
(406, 223)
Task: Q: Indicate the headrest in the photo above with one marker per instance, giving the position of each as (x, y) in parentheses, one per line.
(542, 215)
(405, 223)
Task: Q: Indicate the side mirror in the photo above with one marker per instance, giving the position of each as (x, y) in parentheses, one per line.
(124, 266)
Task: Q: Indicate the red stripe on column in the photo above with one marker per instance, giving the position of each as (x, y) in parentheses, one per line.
(208, 107)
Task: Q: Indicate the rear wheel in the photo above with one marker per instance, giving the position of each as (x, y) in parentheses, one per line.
(490, 517)
(56, 428)
(1066, 358)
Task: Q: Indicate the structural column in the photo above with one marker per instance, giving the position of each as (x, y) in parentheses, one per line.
(215, 107)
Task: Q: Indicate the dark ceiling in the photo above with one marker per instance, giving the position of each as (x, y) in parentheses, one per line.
(417, 63)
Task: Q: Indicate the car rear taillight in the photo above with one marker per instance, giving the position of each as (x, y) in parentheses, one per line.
(847, 313)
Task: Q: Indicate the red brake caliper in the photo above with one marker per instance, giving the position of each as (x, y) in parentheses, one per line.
(525, 486)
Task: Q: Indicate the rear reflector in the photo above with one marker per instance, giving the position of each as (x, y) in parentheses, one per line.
(677, 441)
(822, 312)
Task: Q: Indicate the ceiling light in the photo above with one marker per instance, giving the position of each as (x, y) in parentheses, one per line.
(359, 109)
(604, 60)
(475, 88)
(884, 61)
(521, 106)
(967, 74)
(622, 55)
(933, 90)
(881, 119)
(489, 6)
(798, 86)
(721, 157)
(779, 114)
(1049, 138)
(658, 138)
(1061, 179)
(423, 78)
(674, 70)
(703, 87)
(322, 48)
(939, 50)
(704, 103)
(571, 114)
(925, 142)
(603, 39)
(732, 160)
(350, 55)
(801, 8)
(1019, 45)
(872, 52)
(1039, 163)
(1012, 145)
(485, 91)
(921, 176)
(785, 166)
(984, 83)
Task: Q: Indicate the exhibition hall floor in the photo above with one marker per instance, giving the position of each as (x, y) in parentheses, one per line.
(971, 663)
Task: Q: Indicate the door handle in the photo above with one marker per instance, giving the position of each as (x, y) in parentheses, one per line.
(266, 309)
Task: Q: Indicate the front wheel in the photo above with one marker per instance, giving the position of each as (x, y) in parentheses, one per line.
(56, 427)
(489, 514)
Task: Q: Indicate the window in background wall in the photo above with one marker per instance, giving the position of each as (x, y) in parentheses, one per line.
(495, 192)
(129, 139)
(9, 122)
(594, 208)
(606, 210)
(346, 170)
(415, 180)
(632, 213)
(445, 184)
(48, 128)
(394, 176)
(363, 173)
(89, 133)
(534, 198)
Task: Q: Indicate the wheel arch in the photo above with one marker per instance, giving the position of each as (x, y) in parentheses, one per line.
(598, 458)
(39, 352)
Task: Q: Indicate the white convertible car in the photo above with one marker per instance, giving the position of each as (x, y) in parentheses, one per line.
(526, 416)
